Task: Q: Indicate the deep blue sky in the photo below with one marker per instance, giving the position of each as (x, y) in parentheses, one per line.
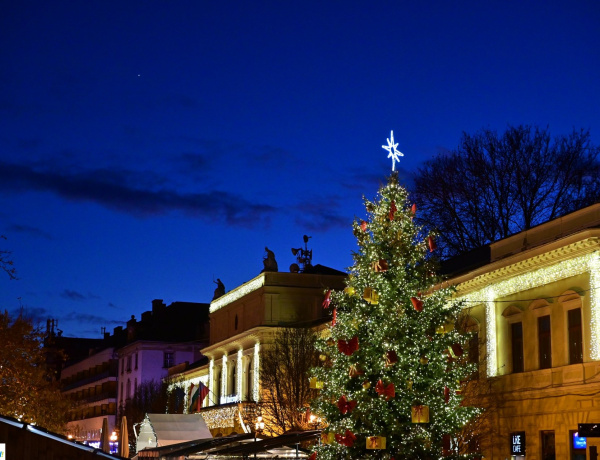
(149, 146)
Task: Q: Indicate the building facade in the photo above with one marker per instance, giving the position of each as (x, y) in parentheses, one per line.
(244, 322)
(92, 386)
(102, 383)
(535, 303)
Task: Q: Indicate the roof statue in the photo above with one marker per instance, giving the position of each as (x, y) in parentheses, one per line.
(269, 262)
(219, 290)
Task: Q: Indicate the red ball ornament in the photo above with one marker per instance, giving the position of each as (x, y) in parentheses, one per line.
(363, 226)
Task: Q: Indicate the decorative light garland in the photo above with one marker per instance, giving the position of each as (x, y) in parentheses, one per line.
(239, 376)
(256, 373)
(588, 263)
(237, 293)
(222, 417)
(211, 379)
(594, 270)
(224, 380)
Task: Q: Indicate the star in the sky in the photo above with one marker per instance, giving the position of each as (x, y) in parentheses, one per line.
(394, 153)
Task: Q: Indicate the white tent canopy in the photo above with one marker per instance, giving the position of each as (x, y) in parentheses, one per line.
(158, 430)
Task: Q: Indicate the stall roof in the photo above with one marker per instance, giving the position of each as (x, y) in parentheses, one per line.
(230, 446)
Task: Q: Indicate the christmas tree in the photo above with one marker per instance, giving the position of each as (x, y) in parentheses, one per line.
(394, 357)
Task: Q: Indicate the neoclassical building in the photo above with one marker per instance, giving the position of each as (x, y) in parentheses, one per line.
(534, 300)
(242, 323)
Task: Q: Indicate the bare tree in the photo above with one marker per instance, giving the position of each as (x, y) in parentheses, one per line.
(285, 367)
(6, 263)
(493, 185)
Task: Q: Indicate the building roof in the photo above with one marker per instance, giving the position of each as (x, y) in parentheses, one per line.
(30, 442)
(169, 429)
(241, 445)
(543, 234)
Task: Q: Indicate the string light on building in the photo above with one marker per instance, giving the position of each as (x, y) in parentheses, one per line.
(588, 263)
(256, 373)
(224, 380)
(239, 375)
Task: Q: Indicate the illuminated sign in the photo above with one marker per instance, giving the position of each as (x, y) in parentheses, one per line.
(579, 443)
(517, 443)
(2, 450)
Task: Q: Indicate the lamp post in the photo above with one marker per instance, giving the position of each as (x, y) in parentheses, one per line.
(259, 426)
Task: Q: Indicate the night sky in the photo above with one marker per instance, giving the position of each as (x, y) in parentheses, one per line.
(149, 147)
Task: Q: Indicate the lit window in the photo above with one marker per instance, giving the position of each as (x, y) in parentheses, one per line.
(169, 359)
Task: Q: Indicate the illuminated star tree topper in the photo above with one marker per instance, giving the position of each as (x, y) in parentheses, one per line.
(394, 153)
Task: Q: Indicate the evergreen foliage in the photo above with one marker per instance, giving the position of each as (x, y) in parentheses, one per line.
(384, 356)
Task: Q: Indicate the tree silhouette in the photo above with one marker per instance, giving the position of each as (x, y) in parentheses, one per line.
(494, 185)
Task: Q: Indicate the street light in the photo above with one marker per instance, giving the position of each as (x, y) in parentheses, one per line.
(259, 426)
(314, 421)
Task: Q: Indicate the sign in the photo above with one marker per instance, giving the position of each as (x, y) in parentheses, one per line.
(589, 430)
(2, 450)
(579, 442)
(517, 443)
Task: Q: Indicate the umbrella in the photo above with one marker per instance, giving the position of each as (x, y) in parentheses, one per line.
(124, 444)
(104, 444)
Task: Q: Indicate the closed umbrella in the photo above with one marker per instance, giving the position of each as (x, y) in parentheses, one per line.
(104, 441)
(124, 444)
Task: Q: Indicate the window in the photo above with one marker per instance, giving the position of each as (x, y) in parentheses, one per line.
(169, 359)
(544, 342)
(122, 366)
(575, 336)
(136, 360)
(547, 438)
(128, 389)
(129, 363)
(516, 332)
(135, 386)
(121, 395)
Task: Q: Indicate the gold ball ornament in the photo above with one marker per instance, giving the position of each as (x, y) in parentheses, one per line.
(349, 290)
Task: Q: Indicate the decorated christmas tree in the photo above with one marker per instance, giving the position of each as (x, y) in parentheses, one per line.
(394, 356)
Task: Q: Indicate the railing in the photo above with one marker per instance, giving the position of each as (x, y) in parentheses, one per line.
(91, 379)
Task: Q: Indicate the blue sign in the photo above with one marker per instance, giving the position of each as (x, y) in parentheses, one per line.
(579, 443)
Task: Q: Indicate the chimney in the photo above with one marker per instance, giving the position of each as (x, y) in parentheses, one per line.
(158, 305)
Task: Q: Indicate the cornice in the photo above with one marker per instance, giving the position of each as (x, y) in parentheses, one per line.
(546, 255)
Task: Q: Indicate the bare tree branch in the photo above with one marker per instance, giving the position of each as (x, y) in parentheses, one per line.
(494, 185)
